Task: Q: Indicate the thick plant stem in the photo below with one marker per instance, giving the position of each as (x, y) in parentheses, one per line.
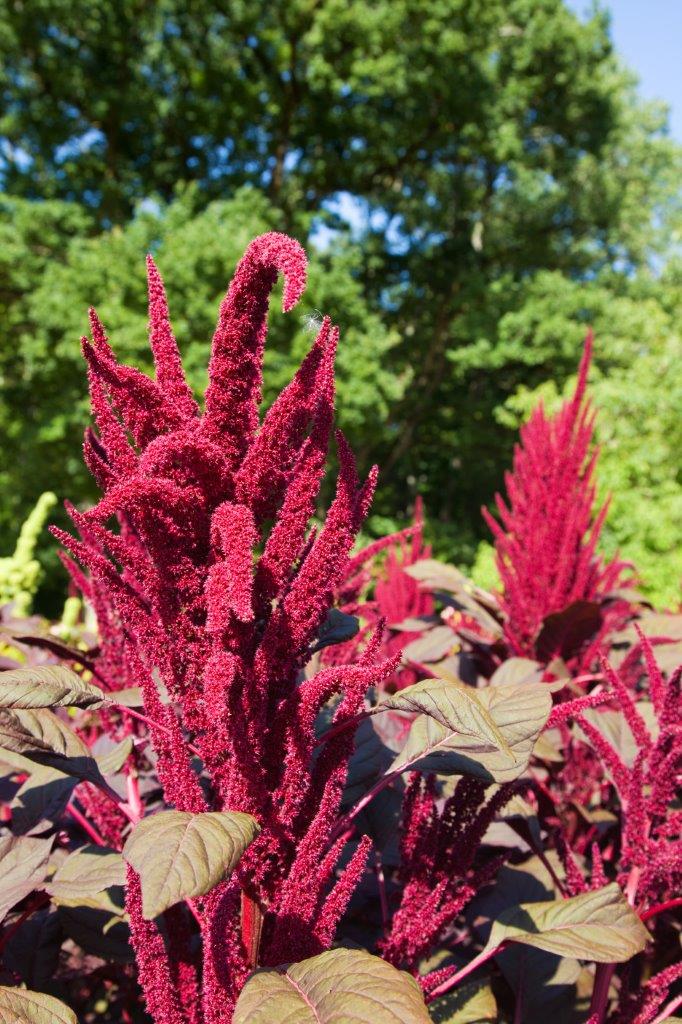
(600, 992)
(252, 926)
(87, 827)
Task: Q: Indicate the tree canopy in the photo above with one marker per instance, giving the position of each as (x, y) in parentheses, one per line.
(477, 180)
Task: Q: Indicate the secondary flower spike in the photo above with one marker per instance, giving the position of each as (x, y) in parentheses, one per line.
(211, 588)
(547, 534)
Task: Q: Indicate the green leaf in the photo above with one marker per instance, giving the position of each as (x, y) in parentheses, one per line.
(20, 1006)
(455, 706)
(88, 871)
(600, 926)
(47, 686)
(434, 575)
(337, 628)
(38, 732)
(44, 738)
(23, 867)
(433, 644)
(181, 856)
(471, 1003)
(130, 697)
(545, 986)
(518, 712)
(114, 759)
(337, 987)
(437, 575)
(41, 800)
(515, 671)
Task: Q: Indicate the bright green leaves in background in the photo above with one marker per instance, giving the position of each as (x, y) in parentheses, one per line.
(506, 186)
(44, 406)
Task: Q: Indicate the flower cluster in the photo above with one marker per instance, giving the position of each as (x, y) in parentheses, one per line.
(210, 591)
(546, 539)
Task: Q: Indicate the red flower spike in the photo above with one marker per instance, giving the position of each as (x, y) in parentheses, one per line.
(169, 373)
(547, 534)
(235, 368)
(210, 586)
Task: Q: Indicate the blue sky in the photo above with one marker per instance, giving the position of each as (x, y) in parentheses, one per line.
(648, 36)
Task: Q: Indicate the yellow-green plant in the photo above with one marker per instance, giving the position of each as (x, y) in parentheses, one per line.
(20, 572)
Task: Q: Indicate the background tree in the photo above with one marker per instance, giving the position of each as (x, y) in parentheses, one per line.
(487, 169)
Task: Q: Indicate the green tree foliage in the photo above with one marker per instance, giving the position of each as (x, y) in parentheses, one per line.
(44, 403)
(506, 184)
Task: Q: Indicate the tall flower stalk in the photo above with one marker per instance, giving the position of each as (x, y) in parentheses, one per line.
(211, 588)
(548, 531)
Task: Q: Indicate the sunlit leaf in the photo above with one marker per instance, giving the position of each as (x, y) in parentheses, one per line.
(20, 1006)
(432, 645)
(545, 986)
(182, 856)
(458, 708)
(471, 1003)
(599, 926)
(516, 671)
(90, 870)
(44, 738)
(114, 759)
(47, 686)
(337, 987)
(437, 575)
(518, 712)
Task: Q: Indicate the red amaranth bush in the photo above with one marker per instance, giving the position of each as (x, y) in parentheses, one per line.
(227, 800)
(546, 540)
(220, 591)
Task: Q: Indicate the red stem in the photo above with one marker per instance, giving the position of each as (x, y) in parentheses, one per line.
(148, 721)
(483, 956)
(600, 992)
(89, 829)
(659, 908)
(10, 932)
(133, 789)
(252, 925)
(344, 822)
